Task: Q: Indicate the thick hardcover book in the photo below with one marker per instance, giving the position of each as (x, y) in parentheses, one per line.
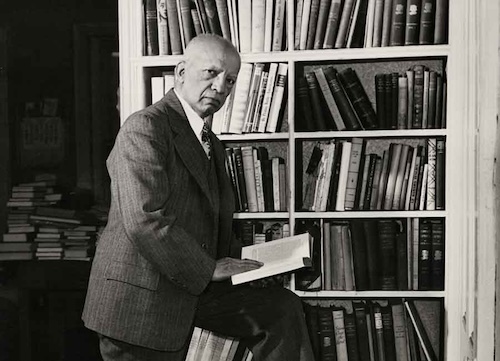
(351, 337)
(431, 113)
(369, 181)
(343, 174)
(388, 327)
(410, 74)
(390, 102)
(327, 334)
(311, 176)
(304, 24)
(431, 174)
(361, 190)
(427, 17)
(279, 25)
(334, 180)
(378, 23)
(425, 108)
(439, 101)
(278, 256)
(441, 22)
(249, 174)
(231, 170)
(332, 24)
(376, 182)
(402, 122)
(241, 178)
(319, 34)
(437, 254)
(313, 21)
(258, 25)
(174, 29)
(400, 332)
(395, 150)
(360, 313)
(152, 46)
(259, 181)
(372, 245)
(268, 97)
(418, 97)
(402, 256)
(277, 99)
(223, 16)
(399, 194)
(353, 176)
(398, 23)
(345, 18)
(328, 97)
(424, 259)
(259, 100)
(312, 322)
(212, 17)
(315, 97)
(299, 8)
(386, 23)
(378, 330)
(186, 20)
(358, 36)
(394, 79)
(305, 119)
(358, 97)
(345, 108)
(359, 255)
(200, 7)
(245, 25)
(267, 179)
(163, 38)
(196, 21)
(440, 173)
(388, 254)
(412, 22)
(384, 176)
(380, 100)
(240, 101)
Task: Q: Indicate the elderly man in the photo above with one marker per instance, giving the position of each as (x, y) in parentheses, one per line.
(163, 261)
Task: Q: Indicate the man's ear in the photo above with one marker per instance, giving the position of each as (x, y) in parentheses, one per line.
(179, 71)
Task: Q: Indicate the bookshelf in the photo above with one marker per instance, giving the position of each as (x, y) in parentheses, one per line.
(135, 72)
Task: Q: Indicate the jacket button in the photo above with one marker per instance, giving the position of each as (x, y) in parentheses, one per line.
(204, 246)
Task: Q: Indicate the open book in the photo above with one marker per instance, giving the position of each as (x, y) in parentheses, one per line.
(279, 256)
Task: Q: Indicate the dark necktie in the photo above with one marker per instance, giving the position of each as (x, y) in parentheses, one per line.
(205, 139)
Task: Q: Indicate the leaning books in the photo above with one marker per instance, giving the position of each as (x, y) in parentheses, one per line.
(279, 256)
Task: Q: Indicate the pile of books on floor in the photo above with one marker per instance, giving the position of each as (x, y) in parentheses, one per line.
(39, 228)
(207, 345)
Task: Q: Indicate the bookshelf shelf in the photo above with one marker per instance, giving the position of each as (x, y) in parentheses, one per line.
(450, 60)
(372, 294)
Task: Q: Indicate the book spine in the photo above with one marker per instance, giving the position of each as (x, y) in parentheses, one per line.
(277, 98)
(431, 174)
(437, 254)
(212, 17)
(412, 22)
(258, 25)
(398, 23)
(268, 96)
(319, 36)
(426, 35)
(313, 21)
(378, 19)
(298, 23)
(196, 22)
(380, 100)
(240, 98)
(279, 25)
(245, 25)
(388, 327)
(259, 188)
(163, 37)
(358, 97)
(328, 96)
(402, 122)
(223, 17)
(386, 23)
(268, 25)
(314, 93)
(327, 334)
(259, 101)
(241, 177)
(340, 336)
(186, 20)
(357, 150)
(424, 260)
(344, 168)
(174, 29)
(418, 97)
(441, 22)
(388, 255)
(379, 332)
(151, 13)
(440, 173)
(431, 113)
(332, 24)
(351, 337)
(345, 17)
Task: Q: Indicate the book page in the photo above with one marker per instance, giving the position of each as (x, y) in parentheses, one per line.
(278, 256)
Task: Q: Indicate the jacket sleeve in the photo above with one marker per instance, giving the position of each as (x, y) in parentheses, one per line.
(143, 187)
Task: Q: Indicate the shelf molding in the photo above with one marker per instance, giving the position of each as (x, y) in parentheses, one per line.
(371, 294)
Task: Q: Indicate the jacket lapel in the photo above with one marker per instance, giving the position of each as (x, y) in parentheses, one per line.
(185, 142)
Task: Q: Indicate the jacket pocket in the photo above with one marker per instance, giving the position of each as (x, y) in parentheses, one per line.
(131, 274)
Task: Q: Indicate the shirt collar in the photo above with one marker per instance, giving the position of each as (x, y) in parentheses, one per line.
(195, 121)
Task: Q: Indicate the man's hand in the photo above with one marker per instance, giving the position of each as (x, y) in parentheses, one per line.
(226, 267)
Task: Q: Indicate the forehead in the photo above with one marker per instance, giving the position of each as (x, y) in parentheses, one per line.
(215, 55)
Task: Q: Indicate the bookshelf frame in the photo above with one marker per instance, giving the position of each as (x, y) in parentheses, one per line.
(460, 302)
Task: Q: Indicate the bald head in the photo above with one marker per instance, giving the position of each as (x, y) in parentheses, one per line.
(207, 74)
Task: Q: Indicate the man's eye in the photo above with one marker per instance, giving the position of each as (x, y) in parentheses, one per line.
(231, 81)
(211, 72)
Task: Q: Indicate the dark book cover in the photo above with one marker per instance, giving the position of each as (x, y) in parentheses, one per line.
(402, 255)
(313, 20)
(359, 185)
(334, 180)
(359, 255)
(358, 37)
(418, 97)
(152, 46)
(358, 98)
(441, 22)
(304, 119)
(351, 337)
(231, 170)
(241, 178)
(398, 23)
(344, 105)
(394, 100)
(439, 101)
(372, 246)
(362, 330)
(389, 105)
(427, 14)
(424, 255)
(431, 114)
(437, 254)
(187, 20)
(327, 334)
(440, 173)
(223, 16)
(412, 22)
(315, 97)
(267, 179)
(388, 254)
(200, 5)
(312, 322)
(372, 159)
(388, 329)
(380, 100)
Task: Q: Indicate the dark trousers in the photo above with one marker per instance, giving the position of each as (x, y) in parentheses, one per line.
(270, 321)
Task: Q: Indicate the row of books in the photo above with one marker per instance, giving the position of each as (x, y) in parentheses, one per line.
(259, 181)
(328, 99)
(328, 24)
(254, 232)
(344, 175)
(397, 329)
(208, 345)
(375, 254)
(252, 26)
(256, 103)
(43, 191)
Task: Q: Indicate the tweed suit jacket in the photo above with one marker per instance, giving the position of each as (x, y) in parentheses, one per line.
(165, 230)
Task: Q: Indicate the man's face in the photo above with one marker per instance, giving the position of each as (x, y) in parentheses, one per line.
(207, 77)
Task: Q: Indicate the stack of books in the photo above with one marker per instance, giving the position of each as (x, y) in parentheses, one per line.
(208, 345)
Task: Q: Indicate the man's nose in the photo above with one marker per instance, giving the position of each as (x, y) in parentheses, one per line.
(219, 84)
